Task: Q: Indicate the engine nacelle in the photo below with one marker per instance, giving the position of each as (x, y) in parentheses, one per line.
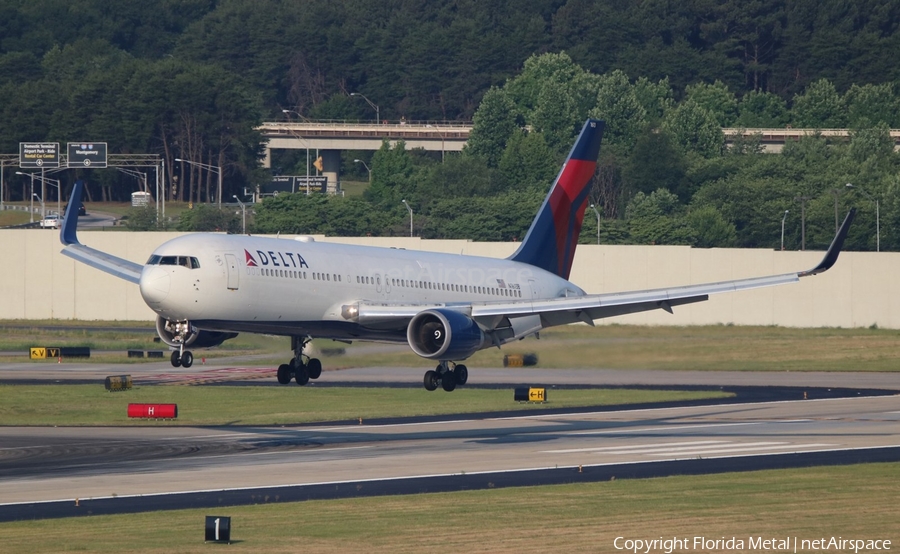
(444, 335)
(176, 333)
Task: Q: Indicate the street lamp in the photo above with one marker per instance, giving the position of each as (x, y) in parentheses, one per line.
(877, 216)
(142, 177)
(598, 222)
(782, 227)
(405, 203)
(367, 169)
(31, 213)
(374, 107)
(214, 168)
(802, 199)
(243, 214)
(302, 140)
(53, 182)
(41, 200)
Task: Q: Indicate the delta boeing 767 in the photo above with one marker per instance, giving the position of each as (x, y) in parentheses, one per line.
(206, 288)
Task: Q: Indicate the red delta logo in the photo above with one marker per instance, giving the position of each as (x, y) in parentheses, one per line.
(249, 259)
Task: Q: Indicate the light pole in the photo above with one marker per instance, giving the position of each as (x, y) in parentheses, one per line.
(367, 168)
(877, 216)
(836, 193)
(782, 227)
(142, 177)
(374, 107)
(598, 222)
(243, 215)
(41, 200)
(802, 200)
(298, 137)
(31, 212)
(405, 203)
(215, 169)
(55, 183)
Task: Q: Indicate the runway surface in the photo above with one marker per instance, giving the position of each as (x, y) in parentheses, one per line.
(44, 470)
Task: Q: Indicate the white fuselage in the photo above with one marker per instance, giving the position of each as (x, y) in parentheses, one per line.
(296, 286)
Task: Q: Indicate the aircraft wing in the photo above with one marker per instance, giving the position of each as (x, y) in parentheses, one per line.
(108, 263)
(534, 315)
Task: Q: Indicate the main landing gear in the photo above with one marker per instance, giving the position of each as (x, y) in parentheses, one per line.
(446, 375)
(301, 368)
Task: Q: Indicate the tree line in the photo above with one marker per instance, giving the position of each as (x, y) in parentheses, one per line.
(192, 79)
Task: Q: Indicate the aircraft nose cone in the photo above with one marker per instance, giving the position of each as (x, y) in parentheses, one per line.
(154, 284)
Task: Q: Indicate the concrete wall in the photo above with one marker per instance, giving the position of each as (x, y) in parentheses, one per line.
(37, 282)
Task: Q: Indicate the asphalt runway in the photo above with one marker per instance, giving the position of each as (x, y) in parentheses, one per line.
(111, 470)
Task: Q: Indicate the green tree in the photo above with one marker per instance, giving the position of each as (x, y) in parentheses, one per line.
(870, 105)
(618, 104)
(392, 168)
(873, 144)
(141, 219)
(820, 107)
(493, 124)
(656, 162)
(695, 129)
(206, 218)
(655, 98)
(458, 176)
(528, 163)
(762, 109)
(658, 218)
(716, 99)
(710, 228)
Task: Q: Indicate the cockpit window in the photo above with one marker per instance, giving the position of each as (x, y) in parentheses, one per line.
(189, 262)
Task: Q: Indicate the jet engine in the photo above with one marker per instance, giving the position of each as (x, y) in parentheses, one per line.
(176, 333)
(444, 335)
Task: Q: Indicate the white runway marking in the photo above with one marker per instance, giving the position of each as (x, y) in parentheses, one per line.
(612, 449)
(744, 449)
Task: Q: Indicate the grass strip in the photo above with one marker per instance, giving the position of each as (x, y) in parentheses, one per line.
(76, 405)
(856, 501)
(705, 348)
(713, 347)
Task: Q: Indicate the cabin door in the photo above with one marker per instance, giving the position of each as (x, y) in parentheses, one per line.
(233, 272)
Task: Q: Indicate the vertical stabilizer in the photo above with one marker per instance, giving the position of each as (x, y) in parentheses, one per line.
(550, 242)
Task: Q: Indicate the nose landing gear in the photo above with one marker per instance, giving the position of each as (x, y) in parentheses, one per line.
(446, 375)
(301, 368)
(182, 358)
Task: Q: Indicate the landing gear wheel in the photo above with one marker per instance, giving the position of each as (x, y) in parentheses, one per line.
(176, 359)
(187, 359)
(314, 367)
(448, 381)
(431, 380)
(461, 374)
(284, 374)
(302, 376)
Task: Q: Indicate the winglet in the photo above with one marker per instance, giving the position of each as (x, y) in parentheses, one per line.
(67, 234)
(831, 255)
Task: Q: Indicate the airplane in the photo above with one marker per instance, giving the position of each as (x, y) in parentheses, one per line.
(206, 288)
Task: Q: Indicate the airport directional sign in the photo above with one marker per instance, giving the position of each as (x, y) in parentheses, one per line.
(288, 183)
(87, 154)
(38, 155)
